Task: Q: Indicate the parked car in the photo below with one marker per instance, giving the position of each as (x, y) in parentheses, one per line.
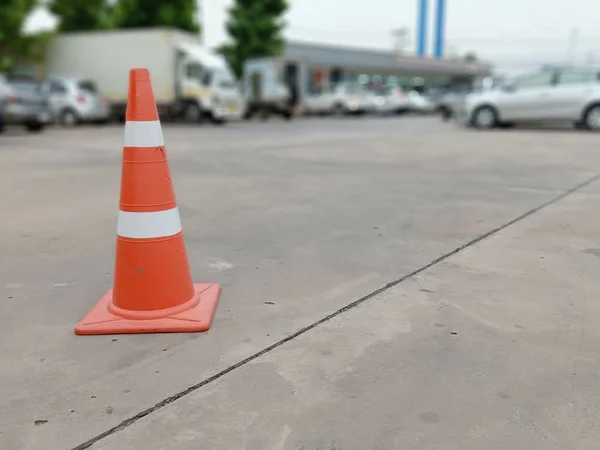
(342, 99)
(353, 98)
(560, 94)
(391, 100)
(452, 98)
(4, 95)
(76, 100)
(318, 103)
(420, 103)
(22, 103)
(448, 102)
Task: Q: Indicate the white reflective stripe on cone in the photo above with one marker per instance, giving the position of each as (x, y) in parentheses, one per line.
(144, 225)
(143, 134)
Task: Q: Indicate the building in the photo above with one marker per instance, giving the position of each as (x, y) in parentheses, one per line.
(316, 66)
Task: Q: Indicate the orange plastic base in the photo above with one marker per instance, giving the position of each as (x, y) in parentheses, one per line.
(199, 318)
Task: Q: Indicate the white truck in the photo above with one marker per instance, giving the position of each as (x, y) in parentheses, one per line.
(189, 80)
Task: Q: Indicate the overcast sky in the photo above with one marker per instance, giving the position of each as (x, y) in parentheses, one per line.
(512, 33)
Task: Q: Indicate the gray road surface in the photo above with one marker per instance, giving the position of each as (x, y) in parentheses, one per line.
(387, 284)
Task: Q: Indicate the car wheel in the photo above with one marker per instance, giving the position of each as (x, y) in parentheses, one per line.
(193, 113)
(484, 118)
(34, 127)
(68, 118)
(591, 120)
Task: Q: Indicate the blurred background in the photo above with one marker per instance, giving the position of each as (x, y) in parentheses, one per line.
(515, 34)
(228, 59)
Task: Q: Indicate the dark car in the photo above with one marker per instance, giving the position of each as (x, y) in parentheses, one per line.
(447, 103)
(454, 97)
(22, 103)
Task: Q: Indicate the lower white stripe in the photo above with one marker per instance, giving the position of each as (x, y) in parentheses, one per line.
(140, 225)
(143, 134)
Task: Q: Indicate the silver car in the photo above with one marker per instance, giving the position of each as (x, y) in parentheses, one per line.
(570, 94)
(76, 100)
(4, 96)
(22, 103)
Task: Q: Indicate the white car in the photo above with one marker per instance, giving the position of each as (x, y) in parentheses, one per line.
(344, 98)
(391, 100)
(419, 103)
(562, 94)
(319, 104)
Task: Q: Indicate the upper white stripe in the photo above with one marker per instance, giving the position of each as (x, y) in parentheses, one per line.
(140, 225)
(143, 134)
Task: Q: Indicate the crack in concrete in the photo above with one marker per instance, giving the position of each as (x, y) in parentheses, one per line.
(131, 420)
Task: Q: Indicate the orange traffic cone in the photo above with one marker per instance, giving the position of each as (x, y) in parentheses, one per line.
(153, 290)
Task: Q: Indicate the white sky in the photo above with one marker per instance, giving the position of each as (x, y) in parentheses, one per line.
(514, 34)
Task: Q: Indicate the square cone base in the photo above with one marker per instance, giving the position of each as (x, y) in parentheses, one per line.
(100, 321)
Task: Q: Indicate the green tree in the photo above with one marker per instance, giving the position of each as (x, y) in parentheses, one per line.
(255, 28)
(82, 15)
(179, 14)
(15, 47)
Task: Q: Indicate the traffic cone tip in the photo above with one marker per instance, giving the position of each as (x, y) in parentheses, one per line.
(141, 106)
(139, 74)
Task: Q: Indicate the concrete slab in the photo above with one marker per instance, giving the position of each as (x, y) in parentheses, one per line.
(496, 347)
(308, 217)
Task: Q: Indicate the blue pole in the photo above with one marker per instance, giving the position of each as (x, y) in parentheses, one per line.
(422, 28)
(440, 29)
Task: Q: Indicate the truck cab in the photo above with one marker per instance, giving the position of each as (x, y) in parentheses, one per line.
(205, 86)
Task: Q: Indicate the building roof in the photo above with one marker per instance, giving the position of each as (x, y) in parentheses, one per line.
(371, 59)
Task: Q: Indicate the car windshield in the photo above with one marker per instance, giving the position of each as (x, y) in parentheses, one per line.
(88, 86)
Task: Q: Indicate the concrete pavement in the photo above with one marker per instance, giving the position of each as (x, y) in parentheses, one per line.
(295, 220)
(495, 347)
